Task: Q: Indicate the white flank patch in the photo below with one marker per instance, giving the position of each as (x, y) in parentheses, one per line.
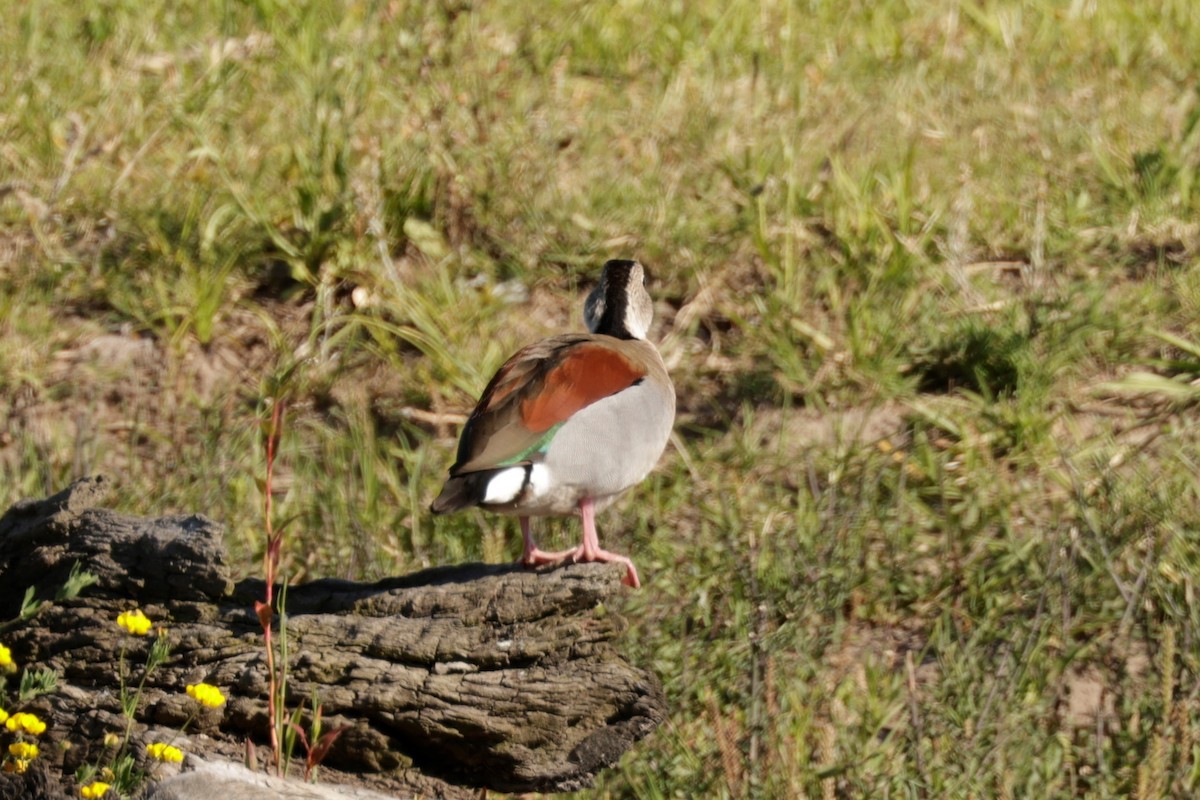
(505, 486)
(539, 480)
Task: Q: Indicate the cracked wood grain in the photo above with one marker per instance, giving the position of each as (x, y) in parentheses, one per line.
(466, 676)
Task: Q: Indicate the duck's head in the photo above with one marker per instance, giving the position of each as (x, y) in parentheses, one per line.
(620, 306)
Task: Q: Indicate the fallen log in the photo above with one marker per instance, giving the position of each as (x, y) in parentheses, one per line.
(449, 679)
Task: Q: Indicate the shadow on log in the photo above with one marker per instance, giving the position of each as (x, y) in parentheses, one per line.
(469, 676)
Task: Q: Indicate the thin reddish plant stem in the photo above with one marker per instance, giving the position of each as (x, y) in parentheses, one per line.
(270, 567)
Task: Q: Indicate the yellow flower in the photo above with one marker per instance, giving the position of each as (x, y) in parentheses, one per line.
(164, 752)
(5, 656)
(23, 750)
(17, 765)
(135, 622)
(206, 694)
(95, 789)
(25, 722)
(3, 715)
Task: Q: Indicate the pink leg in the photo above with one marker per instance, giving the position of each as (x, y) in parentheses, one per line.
(590, 549)
(533, 555)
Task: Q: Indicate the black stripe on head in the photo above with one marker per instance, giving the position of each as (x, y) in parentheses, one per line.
(615, 278)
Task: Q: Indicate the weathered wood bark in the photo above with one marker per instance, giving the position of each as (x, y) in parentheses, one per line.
(469, 676)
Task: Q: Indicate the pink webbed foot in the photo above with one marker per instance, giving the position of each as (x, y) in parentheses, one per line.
(534, 556)
(582, 555)
(538, 557)
(590, 549)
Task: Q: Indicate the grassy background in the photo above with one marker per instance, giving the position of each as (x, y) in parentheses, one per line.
(927, 280)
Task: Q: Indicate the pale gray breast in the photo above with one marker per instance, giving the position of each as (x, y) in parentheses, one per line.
(612, 444)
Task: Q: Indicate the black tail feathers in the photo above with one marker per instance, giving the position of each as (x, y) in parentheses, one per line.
(456, 494)
(470, 489)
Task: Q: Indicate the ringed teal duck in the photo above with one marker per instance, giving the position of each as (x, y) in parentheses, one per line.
(571, 422)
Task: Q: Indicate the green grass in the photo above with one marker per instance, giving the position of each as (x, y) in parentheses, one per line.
(918, 536)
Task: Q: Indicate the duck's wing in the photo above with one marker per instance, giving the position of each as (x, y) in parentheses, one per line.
(536, 391)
